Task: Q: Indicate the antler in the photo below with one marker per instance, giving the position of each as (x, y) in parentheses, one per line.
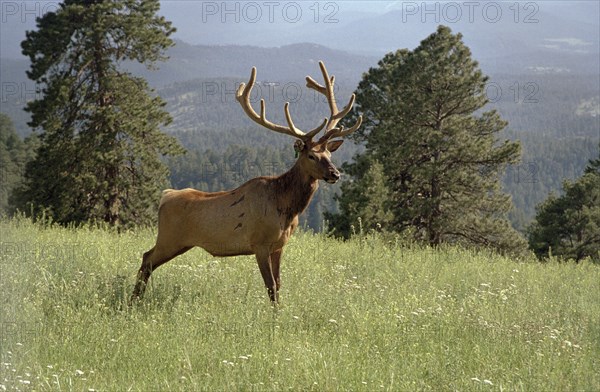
(336, 114)
(243, 97)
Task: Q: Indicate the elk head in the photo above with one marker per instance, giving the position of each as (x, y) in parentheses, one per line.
(314, 157)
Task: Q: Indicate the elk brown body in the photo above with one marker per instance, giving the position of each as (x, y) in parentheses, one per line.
(259, 217)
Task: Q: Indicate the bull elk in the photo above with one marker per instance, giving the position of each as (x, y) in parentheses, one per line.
(259, 217)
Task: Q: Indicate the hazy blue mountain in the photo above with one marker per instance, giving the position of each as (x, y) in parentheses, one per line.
(552, 98)
(287, 63)
(536, 38)
(547, 36)
(543, 36)
(204, 69)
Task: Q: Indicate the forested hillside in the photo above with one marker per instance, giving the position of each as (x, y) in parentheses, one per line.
(556, 117)
(554, 112)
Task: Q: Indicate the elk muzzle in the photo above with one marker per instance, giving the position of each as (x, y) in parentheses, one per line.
(333, 176)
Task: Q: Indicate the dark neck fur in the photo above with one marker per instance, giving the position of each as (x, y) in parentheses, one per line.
(293, 191)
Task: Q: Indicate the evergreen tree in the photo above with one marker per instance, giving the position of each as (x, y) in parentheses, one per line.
(100, 150)
(365, 199)
(439, 152)
(14, 154)
(569, 226)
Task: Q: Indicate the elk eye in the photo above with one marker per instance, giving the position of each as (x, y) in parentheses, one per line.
(311, 157)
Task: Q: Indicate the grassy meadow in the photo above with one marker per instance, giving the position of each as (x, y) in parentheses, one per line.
(357, 315)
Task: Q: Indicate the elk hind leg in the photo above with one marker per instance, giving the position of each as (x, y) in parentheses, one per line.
(151, 260)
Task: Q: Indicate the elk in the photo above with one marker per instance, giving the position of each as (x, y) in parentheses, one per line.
(258, 217)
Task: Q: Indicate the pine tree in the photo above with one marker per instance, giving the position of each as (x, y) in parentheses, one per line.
(14, 154)
(569, 226)
(365, 200)
(99, 158)
(439, 152)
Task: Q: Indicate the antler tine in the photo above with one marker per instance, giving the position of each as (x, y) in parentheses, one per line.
(346, 109)
(243, 97)
(304, 136)
(336, 114)
(340, 132)
(311, 83)
(326, 90)
(329, 82)
(310, 134)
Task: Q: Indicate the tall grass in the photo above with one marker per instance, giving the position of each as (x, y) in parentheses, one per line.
(356, 315)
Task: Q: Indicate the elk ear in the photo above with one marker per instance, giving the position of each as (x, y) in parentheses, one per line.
(334, 145)
(299, 146)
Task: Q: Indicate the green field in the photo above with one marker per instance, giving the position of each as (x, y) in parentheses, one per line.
(357, 315)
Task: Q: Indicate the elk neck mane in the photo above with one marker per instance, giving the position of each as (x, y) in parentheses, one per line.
(293, 191)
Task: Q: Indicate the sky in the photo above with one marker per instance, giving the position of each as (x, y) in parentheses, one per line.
(277, 23)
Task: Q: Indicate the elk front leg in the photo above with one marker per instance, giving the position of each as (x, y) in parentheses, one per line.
(275, 262)
(263, 258)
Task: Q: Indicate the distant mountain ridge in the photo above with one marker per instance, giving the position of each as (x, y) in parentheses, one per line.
(367, 27)
(201, 65)
(507, 37)
(281, 64)
(204, 68)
